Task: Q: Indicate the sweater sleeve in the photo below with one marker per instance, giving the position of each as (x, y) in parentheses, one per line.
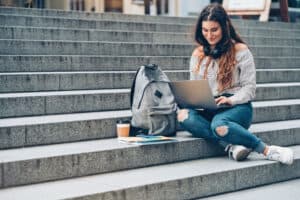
(193, 64)
(247, 78)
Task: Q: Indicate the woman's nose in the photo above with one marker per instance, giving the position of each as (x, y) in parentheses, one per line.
(209, 34)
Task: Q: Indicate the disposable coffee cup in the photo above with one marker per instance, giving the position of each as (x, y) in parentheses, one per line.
(123, 128)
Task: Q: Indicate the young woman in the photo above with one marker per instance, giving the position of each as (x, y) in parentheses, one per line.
(224, 59)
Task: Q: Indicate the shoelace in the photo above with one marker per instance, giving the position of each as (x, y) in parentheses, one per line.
(274, 155)
(229, 149)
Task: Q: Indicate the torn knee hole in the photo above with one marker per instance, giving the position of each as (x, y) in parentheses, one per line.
(222, 130)
(182, 115)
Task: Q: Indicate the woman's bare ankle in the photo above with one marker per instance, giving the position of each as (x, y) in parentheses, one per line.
(266, 150)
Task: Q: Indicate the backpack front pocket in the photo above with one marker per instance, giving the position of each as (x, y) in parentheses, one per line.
(162, 120)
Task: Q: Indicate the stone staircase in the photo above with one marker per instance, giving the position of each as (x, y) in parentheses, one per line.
(65, 79)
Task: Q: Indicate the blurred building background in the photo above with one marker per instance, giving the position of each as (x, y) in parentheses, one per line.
(152, 7)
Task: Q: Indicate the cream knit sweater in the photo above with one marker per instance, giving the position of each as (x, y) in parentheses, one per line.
(244, 76)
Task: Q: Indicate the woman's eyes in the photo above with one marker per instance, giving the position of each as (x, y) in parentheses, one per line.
(212, 30)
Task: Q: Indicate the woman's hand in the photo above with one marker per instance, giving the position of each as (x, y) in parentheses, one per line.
(223, 100)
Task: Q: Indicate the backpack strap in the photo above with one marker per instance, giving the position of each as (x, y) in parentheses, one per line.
(133, 86)
(146, 67)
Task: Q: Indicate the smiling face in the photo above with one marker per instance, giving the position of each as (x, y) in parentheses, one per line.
(212, 32)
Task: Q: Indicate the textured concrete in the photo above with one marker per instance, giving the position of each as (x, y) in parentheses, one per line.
(26, 104)
(18, 20)
(47, 81)
(97, 16)
(283, 190)
(38, 103)
(277, 91)
(267, 32)
(51, 129)
(12, 137)
(55, 63)
(39, 81)
(132, 18)
(190, 179)
(98, 156)
(284, 109)
(258, 37)
(89, 63)
(6, 20)
(24, 47)
(277, 75)
(41, 164)
(283, 133)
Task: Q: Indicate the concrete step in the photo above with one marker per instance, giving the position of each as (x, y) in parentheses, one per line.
(182, 180)
(40, 103)
(270, 32)
(38, 164)
(37, 33)
(94, 16)
(282, 190)
(50, 81)
(136, 25)
(27, 63)
(131, 18)
(55, 63)
(51, 47)
(48, 129)
(277, 75)
(62, 102)
(283, 133)
(20, 20)
(284, 109)
(93, 157)
(274, 91)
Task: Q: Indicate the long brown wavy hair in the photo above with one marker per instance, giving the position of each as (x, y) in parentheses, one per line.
(225, 47)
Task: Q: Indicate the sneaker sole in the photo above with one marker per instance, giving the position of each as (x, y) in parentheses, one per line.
(242, 155)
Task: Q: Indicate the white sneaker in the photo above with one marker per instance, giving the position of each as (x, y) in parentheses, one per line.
(238, 152)
(281, 154)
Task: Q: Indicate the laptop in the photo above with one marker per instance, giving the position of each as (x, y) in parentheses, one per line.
(194, 94)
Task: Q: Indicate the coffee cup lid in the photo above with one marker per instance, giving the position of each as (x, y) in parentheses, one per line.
(123, 121)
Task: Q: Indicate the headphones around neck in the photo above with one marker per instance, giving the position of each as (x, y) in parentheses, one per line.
(215, 53)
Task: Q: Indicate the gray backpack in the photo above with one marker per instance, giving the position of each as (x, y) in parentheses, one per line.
(153, 105)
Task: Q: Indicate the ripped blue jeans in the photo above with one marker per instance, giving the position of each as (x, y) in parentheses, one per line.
(224, 126)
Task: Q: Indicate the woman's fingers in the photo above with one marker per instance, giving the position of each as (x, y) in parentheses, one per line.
(222, 100)
(219, 100)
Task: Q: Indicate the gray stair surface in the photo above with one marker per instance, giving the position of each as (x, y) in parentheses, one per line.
(49, 129)
(65, 80)
(50, 47)
(129, 18)
(37, 33)
(83, 158)
(39, 103)
(183, 180)
(54, 63)
(282, 190)
(54, 81)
